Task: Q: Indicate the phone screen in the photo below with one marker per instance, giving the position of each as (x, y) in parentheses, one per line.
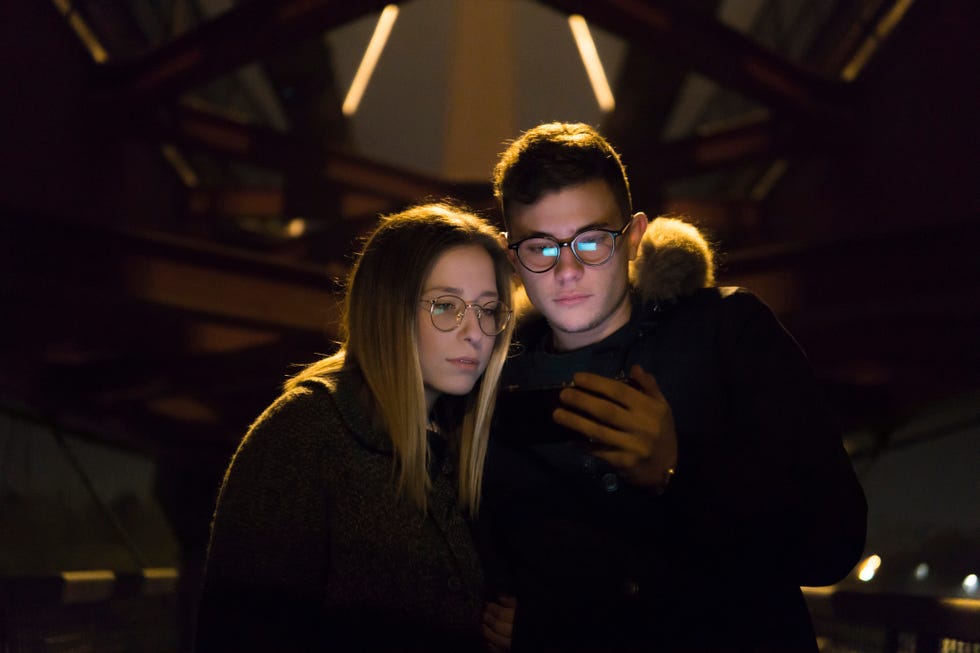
(523, 416)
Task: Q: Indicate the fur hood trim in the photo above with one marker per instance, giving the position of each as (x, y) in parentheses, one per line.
(673, 260)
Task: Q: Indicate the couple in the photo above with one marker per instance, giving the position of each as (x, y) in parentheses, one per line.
(659, 474)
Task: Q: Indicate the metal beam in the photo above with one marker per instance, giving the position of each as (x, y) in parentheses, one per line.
(719, 52)
(237, 37)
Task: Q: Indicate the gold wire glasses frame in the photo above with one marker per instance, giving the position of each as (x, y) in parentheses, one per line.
(447, 311)
(590, 247)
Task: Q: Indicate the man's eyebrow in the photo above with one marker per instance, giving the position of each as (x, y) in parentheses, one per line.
(592, 225)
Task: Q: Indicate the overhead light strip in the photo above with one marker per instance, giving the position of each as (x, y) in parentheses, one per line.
(592, 63)
(374, 49)
(82, 31)
(875, 39)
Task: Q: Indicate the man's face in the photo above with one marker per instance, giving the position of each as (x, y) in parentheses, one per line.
(583, 304)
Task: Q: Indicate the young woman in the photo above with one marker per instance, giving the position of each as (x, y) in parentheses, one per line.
(340, 522)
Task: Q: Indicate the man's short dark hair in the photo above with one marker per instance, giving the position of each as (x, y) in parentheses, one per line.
(554, 156)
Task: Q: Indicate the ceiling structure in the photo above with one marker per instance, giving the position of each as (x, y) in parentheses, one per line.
(182, 192)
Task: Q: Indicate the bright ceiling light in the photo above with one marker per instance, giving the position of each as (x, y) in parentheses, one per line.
(970, 584)
(377, 44)
(869, 567)
(922, 571)
(593, 66)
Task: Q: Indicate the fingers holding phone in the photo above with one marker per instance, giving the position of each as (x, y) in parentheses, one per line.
(631, 422)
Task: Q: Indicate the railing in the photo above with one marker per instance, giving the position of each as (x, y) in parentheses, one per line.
(92, 610)
(864, 622)
(136, 612)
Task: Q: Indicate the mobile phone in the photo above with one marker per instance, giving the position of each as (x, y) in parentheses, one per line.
(523, 416)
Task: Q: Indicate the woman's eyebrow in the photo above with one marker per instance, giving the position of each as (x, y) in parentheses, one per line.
(449, 290)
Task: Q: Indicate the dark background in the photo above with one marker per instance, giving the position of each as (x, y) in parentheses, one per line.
(180, 195)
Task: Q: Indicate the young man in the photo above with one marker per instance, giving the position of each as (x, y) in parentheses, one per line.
(663, 475)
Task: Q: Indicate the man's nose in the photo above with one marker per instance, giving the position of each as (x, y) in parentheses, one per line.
(568, 264)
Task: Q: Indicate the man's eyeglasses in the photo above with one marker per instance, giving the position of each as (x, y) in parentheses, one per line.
(590, 247)
(447, 313)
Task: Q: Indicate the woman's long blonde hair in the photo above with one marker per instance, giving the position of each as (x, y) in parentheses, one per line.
(379, 338)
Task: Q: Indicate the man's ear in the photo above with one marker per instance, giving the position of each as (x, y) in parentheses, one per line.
(511, 254)
(636, 231)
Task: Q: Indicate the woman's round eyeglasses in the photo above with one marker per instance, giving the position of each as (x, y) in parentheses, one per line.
(447, 313)
(590, 246)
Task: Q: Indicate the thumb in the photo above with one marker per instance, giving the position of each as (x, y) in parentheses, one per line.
(507, 601)
(645, 381)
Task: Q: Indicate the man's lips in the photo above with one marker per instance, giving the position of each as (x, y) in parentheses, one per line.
(571, 299)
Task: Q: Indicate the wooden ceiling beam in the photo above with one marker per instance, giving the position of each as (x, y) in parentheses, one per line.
(751, 142)
(720, 53)
(57, 260)
(241, 35)
(198, 128)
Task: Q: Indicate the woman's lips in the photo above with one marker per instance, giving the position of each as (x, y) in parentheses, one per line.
(465, 363)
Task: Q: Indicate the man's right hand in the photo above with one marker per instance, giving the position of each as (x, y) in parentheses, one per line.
(633, 424)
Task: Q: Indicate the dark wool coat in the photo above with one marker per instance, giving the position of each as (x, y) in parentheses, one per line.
(764, 499)
(312, 550)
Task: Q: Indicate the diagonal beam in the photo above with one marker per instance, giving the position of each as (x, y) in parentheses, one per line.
(237, 37)
(196, 128)
(719, 52)
(753, 141)
(153, 269)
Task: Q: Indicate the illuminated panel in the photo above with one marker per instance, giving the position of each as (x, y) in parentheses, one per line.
(82, 31)
(593, 66)
(377, 44)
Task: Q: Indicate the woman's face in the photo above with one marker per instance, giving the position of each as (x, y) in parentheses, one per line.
(452, 361)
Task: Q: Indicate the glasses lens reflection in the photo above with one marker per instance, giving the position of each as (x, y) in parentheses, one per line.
(590, 247)
(448, 311)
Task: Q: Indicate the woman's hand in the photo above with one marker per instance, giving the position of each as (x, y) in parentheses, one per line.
(498, 623)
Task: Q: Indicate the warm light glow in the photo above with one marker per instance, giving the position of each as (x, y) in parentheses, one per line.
(590, 59)
(768, 180)
(922, 571)
(970, 584)
(159, 581)
(296, 227)
(377, 44)
(869, 567)
(969, 605)
(874, 40)
(827, 590)
(82, 30)
(180, 165)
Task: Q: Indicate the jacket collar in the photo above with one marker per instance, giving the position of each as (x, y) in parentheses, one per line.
(344, 388)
